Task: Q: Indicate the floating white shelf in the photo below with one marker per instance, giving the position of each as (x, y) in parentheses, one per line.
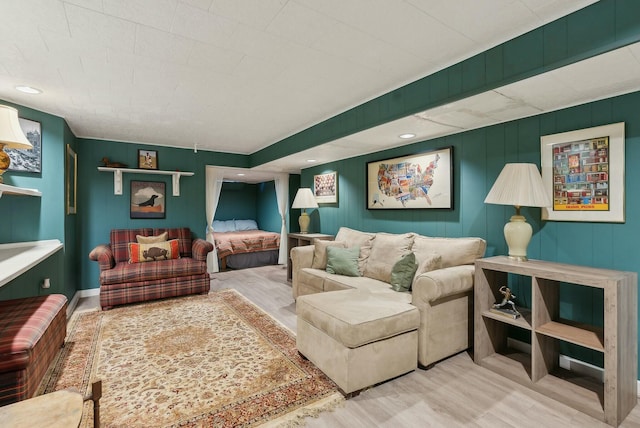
(117, 177)
(17, 258)
(6, 189)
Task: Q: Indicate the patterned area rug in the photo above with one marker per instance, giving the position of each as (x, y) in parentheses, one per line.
(214, 361)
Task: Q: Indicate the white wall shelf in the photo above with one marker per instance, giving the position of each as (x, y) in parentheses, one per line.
(117, 177)
(17, 258)
(6, 189)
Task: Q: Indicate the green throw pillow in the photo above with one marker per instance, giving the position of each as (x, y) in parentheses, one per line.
(343, 261)
(403, 271)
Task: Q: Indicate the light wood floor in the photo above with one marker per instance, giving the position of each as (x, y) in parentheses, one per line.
(454, 393)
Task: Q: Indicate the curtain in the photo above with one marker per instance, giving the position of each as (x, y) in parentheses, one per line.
(213, 187)
(282, 196)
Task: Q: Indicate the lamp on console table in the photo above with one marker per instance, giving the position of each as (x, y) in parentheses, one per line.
(304, 199)
(11, 136)
(520, 185)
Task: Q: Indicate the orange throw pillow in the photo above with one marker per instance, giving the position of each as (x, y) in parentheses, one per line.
(139, 253)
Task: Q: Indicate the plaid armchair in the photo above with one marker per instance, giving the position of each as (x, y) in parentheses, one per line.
(122, 282)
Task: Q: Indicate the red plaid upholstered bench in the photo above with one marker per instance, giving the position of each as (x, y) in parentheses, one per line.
(32, 330)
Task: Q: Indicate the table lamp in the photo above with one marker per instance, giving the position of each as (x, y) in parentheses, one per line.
(304, 199)
(11, 136)
(520, 185)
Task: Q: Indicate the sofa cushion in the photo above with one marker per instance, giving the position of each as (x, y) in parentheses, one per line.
(386, 250)
(320, 252)
(120, 239)
(357, 317)
(355, 238)
(183, 235)
(454, 251)
(402, 273)
(151, 239)
(125, 272)
(343, 261)
(140, 253)
(431, 262)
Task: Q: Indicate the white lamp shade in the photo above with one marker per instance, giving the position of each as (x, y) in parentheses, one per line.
(520, 185)
(304, 199)
(11, 134)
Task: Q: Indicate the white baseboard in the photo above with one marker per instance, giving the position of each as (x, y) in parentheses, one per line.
(568, 363)
(79, 295)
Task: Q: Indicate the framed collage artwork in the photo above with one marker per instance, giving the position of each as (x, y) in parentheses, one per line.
(419, 181)
(584, 172)
(325, 188)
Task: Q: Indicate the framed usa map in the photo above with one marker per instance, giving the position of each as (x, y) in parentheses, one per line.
(420, 181)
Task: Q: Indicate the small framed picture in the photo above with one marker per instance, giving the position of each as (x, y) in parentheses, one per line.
(147, 159)
(28, 160)
(325, 188)
(147, 199)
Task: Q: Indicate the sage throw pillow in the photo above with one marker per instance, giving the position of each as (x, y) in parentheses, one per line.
(402, 272)
(320, 252)
(167, 250)
(343, 261)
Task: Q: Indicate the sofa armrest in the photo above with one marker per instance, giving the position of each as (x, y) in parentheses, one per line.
(302, 257)
(200, 248)
(104, 256)
(436, 284)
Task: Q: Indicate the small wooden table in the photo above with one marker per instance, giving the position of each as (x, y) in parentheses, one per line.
(60, 409)
(299, 240)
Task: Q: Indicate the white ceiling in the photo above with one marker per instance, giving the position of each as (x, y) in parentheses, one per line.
(239, 75)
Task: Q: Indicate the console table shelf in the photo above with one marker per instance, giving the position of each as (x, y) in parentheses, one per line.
(117, 177)
(611, 400)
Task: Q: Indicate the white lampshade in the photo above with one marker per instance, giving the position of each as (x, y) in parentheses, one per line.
(304, 199)
(520, 185)
(11, 134)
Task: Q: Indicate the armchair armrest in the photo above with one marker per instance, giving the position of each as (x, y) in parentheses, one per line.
(104, 256)
(436, 284)
(200, 248)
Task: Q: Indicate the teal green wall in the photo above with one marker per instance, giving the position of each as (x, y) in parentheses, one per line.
(267, 213)
(99, 210)
(478, 158)
(27, 218)
(237, 201)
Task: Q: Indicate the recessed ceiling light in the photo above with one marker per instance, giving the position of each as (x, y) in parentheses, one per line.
(28, 89)
(407, 136)
(311, 160)
(241, 174)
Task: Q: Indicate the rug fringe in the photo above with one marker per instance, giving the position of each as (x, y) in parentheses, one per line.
(297, 417)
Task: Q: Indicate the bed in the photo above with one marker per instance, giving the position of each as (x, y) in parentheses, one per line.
(240, 244)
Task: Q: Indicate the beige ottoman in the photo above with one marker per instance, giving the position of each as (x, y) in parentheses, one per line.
(356, 337)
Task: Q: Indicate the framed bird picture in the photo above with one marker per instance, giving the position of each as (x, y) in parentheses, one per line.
(148, 199)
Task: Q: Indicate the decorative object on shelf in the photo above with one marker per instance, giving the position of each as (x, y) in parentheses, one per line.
(11, 137)
(506, 307)
(147, 159)
(520, 185)
(148, 199)
(109, 164)
(584, 170)
(71, 179)
(417, 181)
(325, 188)
(304, 199)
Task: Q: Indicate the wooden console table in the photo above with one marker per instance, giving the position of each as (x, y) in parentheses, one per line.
(610, 401)
(299, 240)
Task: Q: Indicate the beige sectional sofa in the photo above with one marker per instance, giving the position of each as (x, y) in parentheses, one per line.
(442, 288)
